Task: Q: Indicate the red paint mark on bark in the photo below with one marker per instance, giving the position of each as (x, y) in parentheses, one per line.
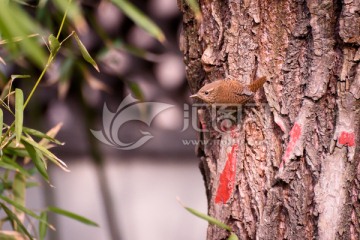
(347, 138)
(227, 177)
(294, 137)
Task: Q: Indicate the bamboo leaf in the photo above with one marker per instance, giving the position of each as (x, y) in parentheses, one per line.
(140, 19)
(66, 72)
(41, 135)
(15, 76)
(51, 133)
(32, 184)
(73, 216)
(233, 237)
(19, 114)
(46, 153)
(206, 217)
(43, 225)
(15, 219)
(19, 186)
(211, 220)
(19, 207)
(194, 6)
(26, 210)
(5, 91)
(11, 150)
(1, 122)
(95, 83)
(74, 13)
(18, 39)
(11, 235)
(136, 90)
(16, 25)
(10, 164)
(85, 53)
(36, 159)
(54, 44)
(18, 190)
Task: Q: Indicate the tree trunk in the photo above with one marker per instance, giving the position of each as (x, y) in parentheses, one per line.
(290, 168)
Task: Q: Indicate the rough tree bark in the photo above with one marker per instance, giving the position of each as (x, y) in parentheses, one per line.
(290, 169)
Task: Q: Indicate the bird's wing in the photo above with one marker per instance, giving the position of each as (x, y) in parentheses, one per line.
(245, 91)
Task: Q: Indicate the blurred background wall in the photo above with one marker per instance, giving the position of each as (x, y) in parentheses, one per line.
(131, 194)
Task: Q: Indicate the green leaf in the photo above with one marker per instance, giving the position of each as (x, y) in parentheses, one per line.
(85, 53)
(211, 220)
(26, 210)
(19, 28)
(10, 164)
(5, 90)
(18, 190)
(66, 71)
(43, 225)
(32, 184)
(19, 114)
(73, 216)
(15, 76)
(15, 219)
(39, 134)
(54, 44)
(74, 13)
(19, 207)
(36, 159)
(136, 90)
(140, 19)
(11, 150)
(194, 6)
(11, 235)
(233, 237)
(46, 153)
(19, 187)
(5, 185)
(1, 122)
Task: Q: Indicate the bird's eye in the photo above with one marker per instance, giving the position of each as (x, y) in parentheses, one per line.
(206, 92)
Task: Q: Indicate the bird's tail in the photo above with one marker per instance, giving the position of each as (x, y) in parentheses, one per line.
(254, 86)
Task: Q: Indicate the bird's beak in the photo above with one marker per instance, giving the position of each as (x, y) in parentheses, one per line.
(194, 96)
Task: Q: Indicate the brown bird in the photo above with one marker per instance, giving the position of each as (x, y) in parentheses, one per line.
(228, 91)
